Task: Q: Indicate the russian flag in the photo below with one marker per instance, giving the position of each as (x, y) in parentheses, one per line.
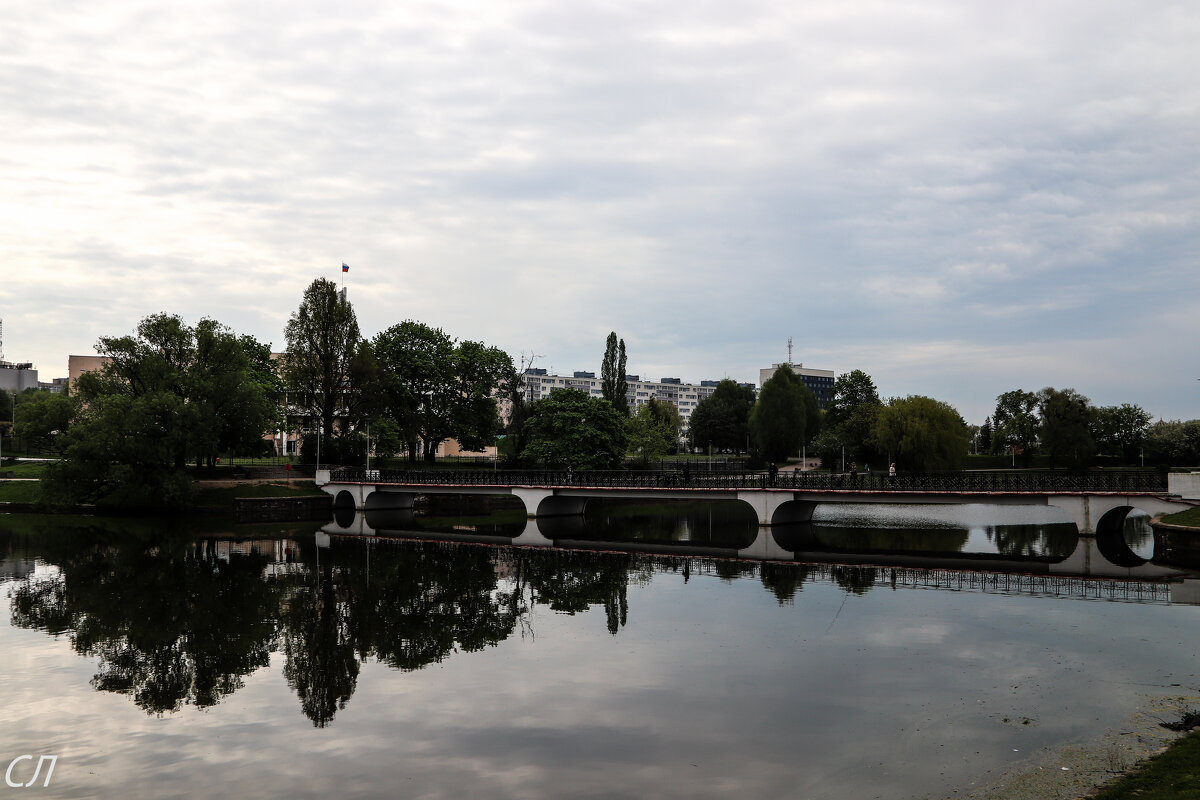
(345, 267)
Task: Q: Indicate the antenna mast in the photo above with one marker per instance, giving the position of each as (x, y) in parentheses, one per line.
(789, 351)
(1, 338)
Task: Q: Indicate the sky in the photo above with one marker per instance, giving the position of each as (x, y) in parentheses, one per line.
(959, 198)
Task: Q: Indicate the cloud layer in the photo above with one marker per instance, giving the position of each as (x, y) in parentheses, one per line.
(957, 198)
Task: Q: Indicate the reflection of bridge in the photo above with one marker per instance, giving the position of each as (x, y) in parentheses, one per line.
(1100, 567)
(1095, 501)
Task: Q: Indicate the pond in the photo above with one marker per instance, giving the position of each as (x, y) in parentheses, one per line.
(890, 654)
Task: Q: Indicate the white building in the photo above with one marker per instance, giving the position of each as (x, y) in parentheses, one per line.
(684, 396)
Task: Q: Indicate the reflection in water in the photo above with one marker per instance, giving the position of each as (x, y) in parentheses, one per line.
(169, 624)
(173, 620)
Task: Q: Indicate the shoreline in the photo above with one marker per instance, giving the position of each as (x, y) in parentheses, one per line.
(1078, 769)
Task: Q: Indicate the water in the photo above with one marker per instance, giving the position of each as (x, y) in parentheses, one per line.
(283, 661)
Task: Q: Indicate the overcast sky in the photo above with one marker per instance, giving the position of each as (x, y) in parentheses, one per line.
(959, 198)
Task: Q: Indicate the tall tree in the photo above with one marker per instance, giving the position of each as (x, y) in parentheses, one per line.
(1016, 423)
(780, 419)
(613, 386)
(850, 418)
(1067, 422)
(922, 434)
(322, 341)
(721, 420)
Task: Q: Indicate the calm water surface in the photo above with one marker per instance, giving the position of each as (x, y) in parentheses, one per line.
(910, 655)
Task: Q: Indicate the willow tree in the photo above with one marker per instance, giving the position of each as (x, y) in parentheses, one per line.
(922, 434)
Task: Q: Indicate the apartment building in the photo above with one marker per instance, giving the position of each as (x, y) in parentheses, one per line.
(684, 396)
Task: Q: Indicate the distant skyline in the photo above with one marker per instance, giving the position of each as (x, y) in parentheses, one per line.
(958, 198)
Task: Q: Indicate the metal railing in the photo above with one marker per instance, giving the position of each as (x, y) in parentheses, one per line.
(955, 482)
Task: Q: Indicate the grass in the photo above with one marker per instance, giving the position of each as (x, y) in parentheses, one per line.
(223, 496)
(28, 469)
(1191, 517)
(20, 491)
(1172, 775)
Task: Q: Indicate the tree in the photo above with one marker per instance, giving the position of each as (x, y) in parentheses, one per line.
(780, 418)
(851, 415)
(571, 429)
(169, 393)
(985, 435)
(721, 419)
(436, 390)
(1174, 443)
(1016, 423)
(1122, 430)
(1067, 422)
(922, 434)
(322, 341)
(613, 386)
(653, 431)
(42, 418)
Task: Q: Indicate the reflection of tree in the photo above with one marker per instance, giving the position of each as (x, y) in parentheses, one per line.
(414, 605)
(728, 569)
(854, 579)
(783, 580)
(1033, 540)
(320, 665)
(570, 581)
(169, 624)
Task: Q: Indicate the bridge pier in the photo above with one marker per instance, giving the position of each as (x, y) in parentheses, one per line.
(767, 504)
(545, 503)
(765, 548)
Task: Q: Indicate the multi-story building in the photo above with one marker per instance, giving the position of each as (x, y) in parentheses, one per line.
(684, 396)
(820, 381)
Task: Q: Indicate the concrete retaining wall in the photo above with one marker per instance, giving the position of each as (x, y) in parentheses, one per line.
(284, 509)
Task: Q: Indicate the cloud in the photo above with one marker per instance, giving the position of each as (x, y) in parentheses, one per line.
(706, 180)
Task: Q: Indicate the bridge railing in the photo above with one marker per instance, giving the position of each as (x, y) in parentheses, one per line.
(984, 482)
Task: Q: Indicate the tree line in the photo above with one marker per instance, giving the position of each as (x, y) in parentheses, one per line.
(175, 396)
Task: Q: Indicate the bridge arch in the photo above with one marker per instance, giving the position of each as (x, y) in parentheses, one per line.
(1113, 533)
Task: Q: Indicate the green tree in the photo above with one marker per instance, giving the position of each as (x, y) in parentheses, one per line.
(721, 420)
(322, 342)
(1016, 423)
(779, 422)
(1067, 421)
(43, 417)
(480, 371)
(922, 434)
(571, 429)
(170, 392)
(436, 389)
(653, 431)
(613, 386)
(1122, 430)
(985, 435)
(1174, 443)
(850, 418)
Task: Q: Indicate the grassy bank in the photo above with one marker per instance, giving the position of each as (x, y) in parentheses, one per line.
(1171, 775)
(1190, 518)
(209, 498)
